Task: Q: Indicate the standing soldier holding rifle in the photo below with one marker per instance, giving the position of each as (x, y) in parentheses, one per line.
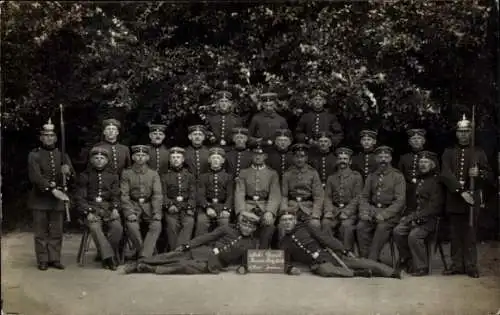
(47, 168)
(464, 169)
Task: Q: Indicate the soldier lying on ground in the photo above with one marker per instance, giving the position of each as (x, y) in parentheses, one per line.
(197, 257)
(325, 255)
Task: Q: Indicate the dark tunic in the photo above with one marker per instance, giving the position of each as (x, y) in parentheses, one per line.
(216, 189)
(324, 163)
(237, 160)
(364, 163)
(312, 123)
(279, 161)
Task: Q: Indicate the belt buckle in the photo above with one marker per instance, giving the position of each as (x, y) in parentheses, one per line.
(462, 183)
(179, 198)
(52, 184)
(379, 205)
(223, 142)
(341, 205)
(414, 180)
(270, 142)
(215, 251)
(256, 198)
(215, 200)
(315, 255)
(142, 200)
(299, 199)
(98, 199)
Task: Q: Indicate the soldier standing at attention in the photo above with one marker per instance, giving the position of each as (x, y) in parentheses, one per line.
(222, 123)
(280, 158)
(263, 125)
(196, 155)
(408, 163)
(179, 191)
(459, 165)
(159, 153)
(341, 199)
(141, 201)
(364, 162)
(258, 190)
(318, 120)
(380, 205)
(120, 154)
(215, 194)
(98, 198)
(301, 189)
(46, 168)
(322, 158)
(239, 157)
(419, 218)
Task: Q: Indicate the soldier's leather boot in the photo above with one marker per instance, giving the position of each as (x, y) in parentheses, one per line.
(145, 268)
(451, 272)
(43, 266)
(397, 274)
(56, 265)
(130, 268)
(365, 273)
(473, 273)
(420, 272)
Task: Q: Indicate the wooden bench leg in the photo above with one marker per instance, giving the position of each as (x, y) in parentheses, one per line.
(85, 245)
(81, 247)
(392, 246)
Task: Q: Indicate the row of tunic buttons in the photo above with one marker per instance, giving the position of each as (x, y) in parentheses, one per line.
(223, 130)
(197, 157)
(115, 160)
(179, 185)
(414, 169)
(216, 188)
(461, 170)
(379, 187)
(157, 159)
(52, 169)
(99, 187)
(323, 170)
(367, 158)
(216, 251)
(300, 245)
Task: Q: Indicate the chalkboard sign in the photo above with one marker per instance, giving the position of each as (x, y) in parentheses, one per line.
(266, 261)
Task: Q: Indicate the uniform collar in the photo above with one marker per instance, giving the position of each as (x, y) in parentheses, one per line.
(109, 142)
(176, 169)
(140, 168)
(346, 171)
(47, 148)
(255, 167)
(303, 169)
(383, 171)
(216, 171)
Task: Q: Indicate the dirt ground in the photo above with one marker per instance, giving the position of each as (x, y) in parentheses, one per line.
(90, 290)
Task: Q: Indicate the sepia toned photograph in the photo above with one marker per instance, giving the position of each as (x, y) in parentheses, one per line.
(250, 157)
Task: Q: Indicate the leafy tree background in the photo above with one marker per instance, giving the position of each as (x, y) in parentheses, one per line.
(387, 65)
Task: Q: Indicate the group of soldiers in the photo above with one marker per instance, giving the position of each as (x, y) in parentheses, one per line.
(297, 197)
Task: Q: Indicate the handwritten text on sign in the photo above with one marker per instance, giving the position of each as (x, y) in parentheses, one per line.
(266, 261)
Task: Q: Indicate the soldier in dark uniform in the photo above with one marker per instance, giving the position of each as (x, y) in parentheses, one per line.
(120, 154)
(322, 158)
(46, 168)
(179, 191)
(408, 163)
(264, 124)
(258, 190)
(341, 199)
(240, 156)
(98, 198)
(301, 189)
(279, 157)
(215, 194)
(364, 162)
(207, 253)
(141, 201)
(305, 244)
(196, 155)
(312, 123)
(419, 218)
(158, 160)
(380, 205)
(221, 124)
(459, 165)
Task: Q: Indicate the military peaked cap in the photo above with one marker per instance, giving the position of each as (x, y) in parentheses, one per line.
(464, 124)
(286, 211)
(48, 128)
(111, 122)
(283, 133)
(194, 128)
(428, 155)
(383, 149)
(249, 216)
(269, 96)
(416, 132)
(240, 131)
(343, 150)
(257, 147)
(368, 133)
(100, 151)
(157, 127)
(226, 95)
(140, 149)
(179, 150)
(299, 147)
(318, 92)
(216, 150)
(325, 134)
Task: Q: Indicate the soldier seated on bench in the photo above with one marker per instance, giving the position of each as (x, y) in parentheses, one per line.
(230, 245)
(97, 196)
(325, 255)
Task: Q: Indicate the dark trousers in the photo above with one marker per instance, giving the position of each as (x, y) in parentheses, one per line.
(346, 229)
(204, 223)
(372, 237)
(330, 269)
(177, 263)
(178, 228)
(463, 243)
(106, 245)
(410, 241)
(146, 247)
(265, 233)
(48, 233)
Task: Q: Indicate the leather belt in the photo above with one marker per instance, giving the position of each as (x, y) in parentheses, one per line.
(141, 200)
(216, 200)
(340, 205)
(299, 199)
(256, 198)
(378, 205)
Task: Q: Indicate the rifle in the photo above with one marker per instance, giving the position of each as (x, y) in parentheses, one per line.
(63, 153)
(472, 182)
